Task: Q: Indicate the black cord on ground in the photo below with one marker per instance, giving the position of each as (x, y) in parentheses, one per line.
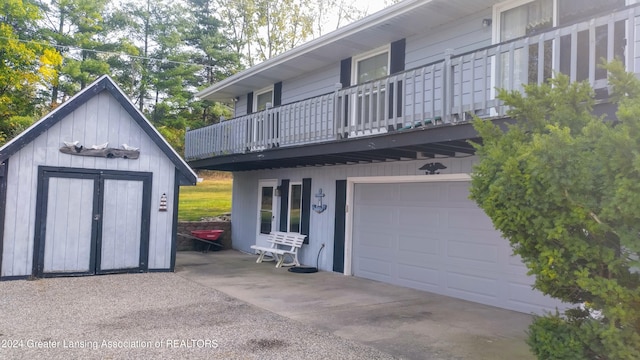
(307, 269)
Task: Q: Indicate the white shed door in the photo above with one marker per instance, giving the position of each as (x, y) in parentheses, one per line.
(92, 221)
(69, 225)
(121, 224)
(431, 237)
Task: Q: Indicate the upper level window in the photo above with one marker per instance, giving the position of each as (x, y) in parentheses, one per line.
(262, 98)
(372, 65)
(519, 19)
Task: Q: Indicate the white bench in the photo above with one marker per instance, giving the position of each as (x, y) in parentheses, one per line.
(282, 244)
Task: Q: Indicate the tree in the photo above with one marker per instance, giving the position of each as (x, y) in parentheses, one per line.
(261, 29)
(81, 30)
(215, 51)
(336, 13)
(563, 186)
(25, 66)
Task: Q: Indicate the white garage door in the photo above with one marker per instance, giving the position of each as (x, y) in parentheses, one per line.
(431, 237)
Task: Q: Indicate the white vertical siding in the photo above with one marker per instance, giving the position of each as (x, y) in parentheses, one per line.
(101, 119)
(321, 228)
(121, 224)
(70, 209)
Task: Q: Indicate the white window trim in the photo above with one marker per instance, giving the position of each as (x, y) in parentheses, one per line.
(291, 185)
(254, 106)
(356, 59)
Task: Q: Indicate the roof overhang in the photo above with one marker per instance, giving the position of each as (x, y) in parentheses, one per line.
(443, 140)
(395, 22)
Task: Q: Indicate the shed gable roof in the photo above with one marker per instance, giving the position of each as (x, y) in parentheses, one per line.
(104, 83)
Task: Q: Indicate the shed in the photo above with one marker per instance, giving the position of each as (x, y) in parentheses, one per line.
(91, 188)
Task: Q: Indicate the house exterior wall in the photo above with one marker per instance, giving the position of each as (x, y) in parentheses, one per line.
(99, 120)
(317, 83)
(241, 106)
(462, 35)
(245, 199)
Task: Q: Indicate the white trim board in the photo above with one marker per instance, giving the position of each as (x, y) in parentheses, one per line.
(352, 181)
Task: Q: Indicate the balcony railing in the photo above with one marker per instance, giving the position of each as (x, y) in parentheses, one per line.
(447, 91)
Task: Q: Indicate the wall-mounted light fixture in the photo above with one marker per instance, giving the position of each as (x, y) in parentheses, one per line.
(486, 22)
(278, 190)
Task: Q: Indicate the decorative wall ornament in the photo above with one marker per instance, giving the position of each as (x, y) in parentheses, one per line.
(432, 168)
(319, 207)
(101, 150)
(163, 202)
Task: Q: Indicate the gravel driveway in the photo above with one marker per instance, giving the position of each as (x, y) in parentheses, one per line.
(156, 315)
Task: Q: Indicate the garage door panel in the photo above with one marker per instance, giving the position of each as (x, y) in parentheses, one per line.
(431, 237)
(418, 245)
(376, 216)
(472, 285)
(522, 295)
(469, 219)
(375, 194)
(424, 218)
(414, 193)
(376, 269)
(381, 241)
(457, 194)
(482, 253)
(423, 277)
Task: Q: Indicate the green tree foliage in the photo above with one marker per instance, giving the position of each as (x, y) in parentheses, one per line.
(82, 30)
(563, 186)
(261, 29)
(24, 67)
(213, 49)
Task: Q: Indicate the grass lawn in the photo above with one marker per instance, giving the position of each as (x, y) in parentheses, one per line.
(209, 198)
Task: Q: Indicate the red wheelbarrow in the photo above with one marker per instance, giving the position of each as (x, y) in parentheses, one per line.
(208, 237)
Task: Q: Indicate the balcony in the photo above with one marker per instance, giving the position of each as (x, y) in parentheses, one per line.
(431, 97)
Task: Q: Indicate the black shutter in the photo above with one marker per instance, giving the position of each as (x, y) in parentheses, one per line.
(397, 56)
(345, 72)
(277, 94)
(250, 103)
(339, 227)
(306, 208)
(398, 50)
(284, 205)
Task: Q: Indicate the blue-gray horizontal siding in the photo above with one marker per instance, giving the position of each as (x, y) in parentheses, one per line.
(241, 106)
(462, 35)
(312, 84)
(245, 199)
(101, 119)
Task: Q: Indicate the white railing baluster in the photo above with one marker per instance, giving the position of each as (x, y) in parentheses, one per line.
(432, 111)
(541, 59)
(631, 40)
(592, 54)
(574, 54)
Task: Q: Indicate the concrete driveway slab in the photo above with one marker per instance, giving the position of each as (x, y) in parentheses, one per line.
(403, 322)
(152, 316)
